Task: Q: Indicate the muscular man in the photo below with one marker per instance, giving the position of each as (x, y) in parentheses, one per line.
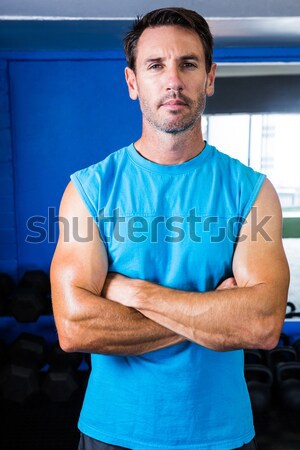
(183, 267)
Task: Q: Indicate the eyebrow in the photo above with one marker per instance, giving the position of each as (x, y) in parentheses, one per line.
(190, 56)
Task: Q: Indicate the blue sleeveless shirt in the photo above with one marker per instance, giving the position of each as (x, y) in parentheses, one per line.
(177, 226)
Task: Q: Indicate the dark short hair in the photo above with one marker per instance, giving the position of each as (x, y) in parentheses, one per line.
(168, 16)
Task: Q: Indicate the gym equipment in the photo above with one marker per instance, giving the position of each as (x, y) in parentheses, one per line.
(288, 385)
(296, 346)
(7, 285)
(61, 382)
(283, 354)
(60, 385)
(292, 312)
(37, 279)
(284, 340)
(34, 371)
(259, 380)
(28, 350)
(254, 356)
(20, 376)
(59, 359)
(32, 297)
(19, 384)
(26, 304)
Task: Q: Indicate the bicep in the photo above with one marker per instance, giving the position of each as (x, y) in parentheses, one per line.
(80, 258)
(259, 256)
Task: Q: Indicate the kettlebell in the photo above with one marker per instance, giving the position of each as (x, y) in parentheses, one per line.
(288, 385)
(259, 380)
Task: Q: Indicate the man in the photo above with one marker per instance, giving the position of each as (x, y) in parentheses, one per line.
(183, 270)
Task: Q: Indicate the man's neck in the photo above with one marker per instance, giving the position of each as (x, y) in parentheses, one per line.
(170, 149)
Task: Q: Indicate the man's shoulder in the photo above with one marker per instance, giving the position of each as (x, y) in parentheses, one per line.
(225, 158)
(233, 164)
(111, 159)
(98, 178)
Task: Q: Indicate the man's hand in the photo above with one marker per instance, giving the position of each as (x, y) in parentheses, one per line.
(229, 283)
(131, 292)
(122, 289)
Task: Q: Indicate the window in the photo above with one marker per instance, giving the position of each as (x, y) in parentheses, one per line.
(268, 143)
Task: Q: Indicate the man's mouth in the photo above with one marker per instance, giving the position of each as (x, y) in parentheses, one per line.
(174, 104)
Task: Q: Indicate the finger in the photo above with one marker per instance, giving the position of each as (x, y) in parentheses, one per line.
(229, 283)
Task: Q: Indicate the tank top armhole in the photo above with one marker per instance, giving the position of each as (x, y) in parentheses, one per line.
(252, 198)
(88, 203)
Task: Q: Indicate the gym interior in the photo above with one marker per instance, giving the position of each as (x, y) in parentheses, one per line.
(63, 106)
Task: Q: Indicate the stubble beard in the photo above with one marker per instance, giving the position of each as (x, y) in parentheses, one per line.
(176, 121)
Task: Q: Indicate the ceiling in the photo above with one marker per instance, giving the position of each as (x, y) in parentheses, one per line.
(97, 25)
(130, 8)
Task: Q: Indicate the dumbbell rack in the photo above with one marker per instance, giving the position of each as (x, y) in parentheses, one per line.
(40, 402)
(273, 380)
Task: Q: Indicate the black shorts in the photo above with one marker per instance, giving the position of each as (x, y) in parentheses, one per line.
(88, 443)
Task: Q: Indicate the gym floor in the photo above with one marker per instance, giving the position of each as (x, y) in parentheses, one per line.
(54, 427)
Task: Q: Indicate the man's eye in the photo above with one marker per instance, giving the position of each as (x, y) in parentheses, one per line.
(155, 66)
(189, 65)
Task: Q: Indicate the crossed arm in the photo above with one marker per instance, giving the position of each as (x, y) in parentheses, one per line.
(113, 314)
(85, 320)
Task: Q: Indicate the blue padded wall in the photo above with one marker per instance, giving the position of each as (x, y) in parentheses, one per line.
(65, 115)
(8, 239)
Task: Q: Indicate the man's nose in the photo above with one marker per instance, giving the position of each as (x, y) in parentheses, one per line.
(174, 80)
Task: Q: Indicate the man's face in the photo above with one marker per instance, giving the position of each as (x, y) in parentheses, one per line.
(170, 79)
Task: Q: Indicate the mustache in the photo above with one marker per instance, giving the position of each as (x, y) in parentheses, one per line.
(176, 96)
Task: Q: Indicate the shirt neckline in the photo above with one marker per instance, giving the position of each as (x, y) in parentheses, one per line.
(151, 166)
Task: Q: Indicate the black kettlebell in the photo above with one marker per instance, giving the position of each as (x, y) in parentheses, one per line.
(279, 355)
(259, 380)
(254, 356)
(288, 385)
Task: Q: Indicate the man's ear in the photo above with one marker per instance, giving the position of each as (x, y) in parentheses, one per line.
(131, 83)
(210, 82)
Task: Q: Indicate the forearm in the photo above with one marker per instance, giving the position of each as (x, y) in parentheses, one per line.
(220, 320)
(94, 324)
(248, 315)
